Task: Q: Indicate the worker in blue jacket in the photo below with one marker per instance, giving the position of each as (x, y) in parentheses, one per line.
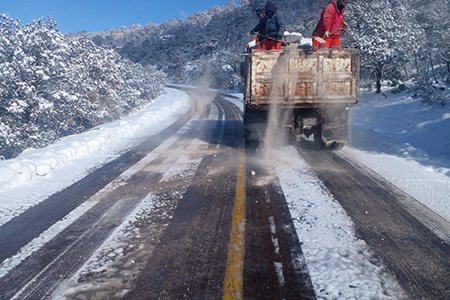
(273, 25)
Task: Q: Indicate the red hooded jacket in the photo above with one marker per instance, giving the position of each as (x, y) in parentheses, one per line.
(331, 19)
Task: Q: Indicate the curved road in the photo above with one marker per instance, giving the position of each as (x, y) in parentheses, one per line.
(182, 217)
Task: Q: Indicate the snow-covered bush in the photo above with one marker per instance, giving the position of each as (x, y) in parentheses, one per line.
(52, 85)
(434, 94)
(386, 33)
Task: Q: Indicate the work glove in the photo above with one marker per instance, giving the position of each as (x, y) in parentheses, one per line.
(344, 25)
(279, 38)
(326, 35)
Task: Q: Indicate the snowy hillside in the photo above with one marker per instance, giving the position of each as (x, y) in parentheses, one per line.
(52, 86)
(399, 40)
(30, 177)
(407, 142)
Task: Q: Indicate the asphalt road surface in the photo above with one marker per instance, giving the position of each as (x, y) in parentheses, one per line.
(391, 222)
(215, 231)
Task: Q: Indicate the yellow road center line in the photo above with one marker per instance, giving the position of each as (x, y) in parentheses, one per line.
(233, 285)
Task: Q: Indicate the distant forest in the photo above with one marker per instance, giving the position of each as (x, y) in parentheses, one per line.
(400, 40)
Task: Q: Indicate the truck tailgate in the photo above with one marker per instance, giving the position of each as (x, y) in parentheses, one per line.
(300, 78)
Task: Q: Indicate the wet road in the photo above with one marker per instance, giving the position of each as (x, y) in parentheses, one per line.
(211, 223)
(275, 267)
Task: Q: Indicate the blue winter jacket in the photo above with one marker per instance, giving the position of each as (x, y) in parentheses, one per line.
(273, 26)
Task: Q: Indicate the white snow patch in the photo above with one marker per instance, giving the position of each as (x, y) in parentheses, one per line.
(407, 143)
(279, 271)
(339, 263)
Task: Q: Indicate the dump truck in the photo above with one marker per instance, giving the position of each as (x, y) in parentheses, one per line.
(308, 92)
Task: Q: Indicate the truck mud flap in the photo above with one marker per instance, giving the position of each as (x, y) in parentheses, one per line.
(334, 135)
(255, 125)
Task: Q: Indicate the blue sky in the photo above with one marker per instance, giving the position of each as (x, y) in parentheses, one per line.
(97, 15)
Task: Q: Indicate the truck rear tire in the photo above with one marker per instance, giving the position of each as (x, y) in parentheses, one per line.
(337, 146)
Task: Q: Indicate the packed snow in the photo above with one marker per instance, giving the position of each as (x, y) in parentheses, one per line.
(396, 135)
(340, 265)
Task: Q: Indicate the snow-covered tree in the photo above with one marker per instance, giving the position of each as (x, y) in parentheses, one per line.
(51, 85)
(387, 34)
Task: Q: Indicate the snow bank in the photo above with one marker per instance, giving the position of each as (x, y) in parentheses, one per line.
(406, 142)
(33, 163)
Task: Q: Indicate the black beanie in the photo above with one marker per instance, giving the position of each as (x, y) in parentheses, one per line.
(342, 4)
(270, 6)
(259, 11)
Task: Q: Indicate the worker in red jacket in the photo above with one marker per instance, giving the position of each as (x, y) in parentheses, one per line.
(330, 25)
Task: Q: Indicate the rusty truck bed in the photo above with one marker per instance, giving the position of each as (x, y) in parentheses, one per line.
(298, 78)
